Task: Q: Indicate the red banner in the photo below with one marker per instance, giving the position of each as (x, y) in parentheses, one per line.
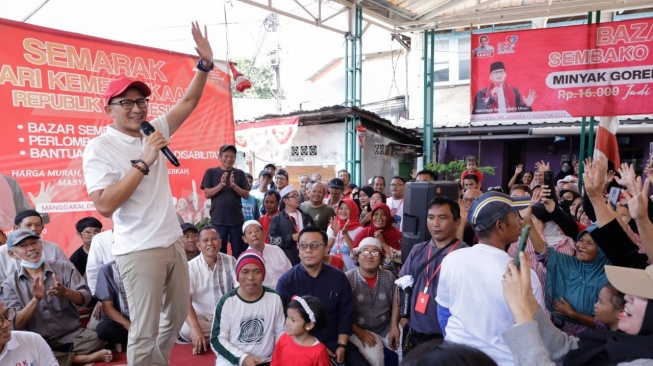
(272, 134)
(51, 87)
(586, 70)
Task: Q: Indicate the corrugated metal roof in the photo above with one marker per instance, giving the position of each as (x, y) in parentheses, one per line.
(399, 16)
(411, 15)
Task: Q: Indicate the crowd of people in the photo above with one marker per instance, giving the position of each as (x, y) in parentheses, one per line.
(313, 275)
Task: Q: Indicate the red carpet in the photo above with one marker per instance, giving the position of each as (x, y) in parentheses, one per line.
(182, 355)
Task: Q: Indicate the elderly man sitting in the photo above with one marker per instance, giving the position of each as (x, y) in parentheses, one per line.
(212, 274)
(276, 262)
(45, 294)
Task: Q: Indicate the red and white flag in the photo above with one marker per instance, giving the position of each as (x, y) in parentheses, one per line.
(606, 140)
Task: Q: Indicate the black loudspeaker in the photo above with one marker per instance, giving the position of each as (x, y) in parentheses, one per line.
(417, 196)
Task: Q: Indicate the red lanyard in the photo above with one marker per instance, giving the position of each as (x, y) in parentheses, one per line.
(398, 206)
(429, 279)
(338, 241)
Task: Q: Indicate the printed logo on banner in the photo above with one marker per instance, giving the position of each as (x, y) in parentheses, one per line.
(509, 45)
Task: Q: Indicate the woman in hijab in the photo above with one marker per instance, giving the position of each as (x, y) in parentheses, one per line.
(573, 284)
(534, 340)
(565, 169)
(390, 237)
(342, 230)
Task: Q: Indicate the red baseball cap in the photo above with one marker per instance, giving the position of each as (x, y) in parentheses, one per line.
(118, 86)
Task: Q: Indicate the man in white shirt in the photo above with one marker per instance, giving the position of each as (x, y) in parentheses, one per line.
(396, 200)
(146, 233)
(22, 348)
(212, 274)
(471, 306)
(276, 261)
(98, 255)
(264, 180)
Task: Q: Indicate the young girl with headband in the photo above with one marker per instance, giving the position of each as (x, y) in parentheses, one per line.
(298, 346)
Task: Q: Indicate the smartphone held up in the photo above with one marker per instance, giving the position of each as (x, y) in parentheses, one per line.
(521, 245)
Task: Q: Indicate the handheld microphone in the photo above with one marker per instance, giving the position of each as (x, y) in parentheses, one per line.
(148, 129)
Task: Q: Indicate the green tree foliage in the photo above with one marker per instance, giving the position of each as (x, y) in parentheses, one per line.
(261, 78)
(453, 169)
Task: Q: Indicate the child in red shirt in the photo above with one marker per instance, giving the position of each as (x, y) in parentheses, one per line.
(472, 168)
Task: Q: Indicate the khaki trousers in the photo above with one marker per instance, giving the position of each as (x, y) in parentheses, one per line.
(157, 286)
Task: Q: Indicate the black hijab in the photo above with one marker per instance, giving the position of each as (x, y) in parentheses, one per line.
(599, 348)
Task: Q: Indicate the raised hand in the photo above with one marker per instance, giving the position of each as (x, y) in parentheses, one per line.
(58, 289)
(38, 288)
(519, 168)
(542, 166)
(594, 176)
(202, 45)
(335, 225)
(378, 235)
(638, 203)
(628, 177)
(463, 210)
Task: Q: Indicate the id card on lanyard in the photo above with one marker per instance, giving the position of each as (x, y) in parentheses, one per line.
(423, 297)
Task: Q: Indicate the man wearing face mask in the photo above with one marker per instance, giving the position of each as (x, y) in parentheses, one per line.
(32, 220)
(45, 295)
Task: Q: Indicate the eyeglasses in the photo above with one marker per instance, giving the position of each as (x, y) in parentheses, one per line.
(89, 231)
(367, 253)
(469, 200)
(293, 196)
(9, 315)
(314, 246)
(129, 104)
(498, 72)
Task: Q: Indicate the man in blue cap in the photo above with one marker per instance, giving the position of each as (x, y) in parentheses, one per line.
(45, 295)
(471, 307)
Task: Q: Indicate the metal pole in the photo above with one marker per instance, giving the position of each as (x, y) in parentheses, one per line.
(353, 92)
(429, 52)
(581, 154)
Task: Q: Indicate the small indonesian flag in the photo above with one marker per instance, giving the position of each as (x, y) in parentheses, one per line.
(606, 140)
(360, 132)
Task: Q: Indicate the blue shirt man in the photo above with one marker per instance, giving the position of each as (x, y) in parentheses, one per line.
(312, 277)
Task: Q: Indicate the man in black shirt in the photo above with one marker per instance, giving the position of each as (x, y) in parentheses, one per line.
(86, 228)
(225, 186)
